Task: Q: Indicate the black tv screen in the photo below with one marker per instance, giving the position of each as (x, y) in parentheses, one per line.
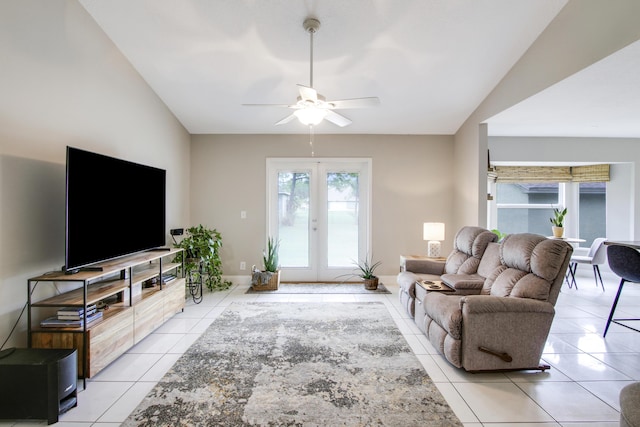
(113, 208)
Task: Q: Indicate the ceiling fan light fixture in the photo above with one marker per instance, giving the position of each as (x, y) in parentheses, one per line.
(310, 116)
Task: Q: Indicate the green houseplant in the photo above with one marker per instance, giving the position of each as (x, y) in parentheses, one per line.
(557, 221)
(365, 269)
(499, 233)
(367, 273)
(201, 256)
(269, 278)
(270, 256)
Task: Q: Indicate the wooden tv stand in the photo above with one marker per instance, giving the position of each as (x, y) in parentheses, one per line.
(134, 310)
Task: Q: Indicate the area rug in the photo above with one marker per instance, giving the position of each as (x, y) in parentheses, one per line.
(322, 288)
(297, 364)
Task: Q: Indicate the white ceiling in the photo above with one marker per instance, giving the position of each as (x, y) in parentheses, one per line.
(431, 62)
(602, 100)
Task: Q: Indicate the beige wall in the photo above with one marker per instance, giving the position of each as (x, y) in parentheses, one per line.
(412, 183)
(62, 82)
(584, 32)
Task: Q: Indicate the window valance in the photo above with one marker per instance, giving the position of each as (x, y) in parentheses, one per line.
(590, 173)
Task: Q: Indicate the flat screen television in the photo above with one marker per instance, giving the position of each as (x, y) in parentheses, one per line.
(114, 208)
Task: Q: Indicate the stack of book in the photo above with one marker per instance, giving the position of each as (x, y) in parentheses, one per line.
(72, 317)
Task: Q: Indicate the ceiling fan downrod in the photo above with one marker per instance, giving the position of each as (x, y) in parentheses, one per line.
(311, 26)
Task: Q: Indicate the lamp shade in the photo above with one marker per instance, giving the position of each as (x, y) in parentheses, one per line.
(433, 231)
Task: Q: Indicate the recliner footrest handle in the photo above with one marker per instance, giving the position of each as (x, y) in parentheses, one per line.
(503, 356)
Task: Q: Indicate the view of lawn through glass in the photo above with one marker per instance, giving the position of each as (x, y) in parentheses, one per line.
(342, 210)
(293, 218)
(294, 223)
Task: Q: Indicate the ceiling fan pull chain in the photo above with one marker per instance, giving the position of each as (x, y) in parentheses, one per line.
(311, 134)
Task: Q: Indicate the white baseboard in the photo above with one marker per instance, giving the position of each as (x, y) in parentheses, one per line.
(246, 279)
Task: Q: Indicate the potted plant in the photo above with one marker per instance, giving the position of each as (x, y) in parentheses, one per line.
(269, 278)
(558, 221)
(499, 233)
(367, 273)
(201, 256)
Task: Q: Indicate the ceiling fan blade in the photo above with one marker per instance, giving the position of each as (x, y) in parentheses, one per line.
(337, 119)
(286, 119)
(268, 105)
(372, 101)
(308, 93)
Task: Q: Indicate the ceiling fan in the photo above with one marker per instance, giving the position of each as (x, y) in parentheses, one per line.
(311, 107)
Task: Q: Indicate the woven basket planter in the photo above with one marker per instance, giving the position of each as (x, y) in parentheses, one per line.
(371, 284)
(265, 280)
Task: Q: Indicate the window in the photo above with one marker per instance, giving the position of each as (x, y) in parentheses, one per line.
(526, 207)
(524, 197)
(592, 205)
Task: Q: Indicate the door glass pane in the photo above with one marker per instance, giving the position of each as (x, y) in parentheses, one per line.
(342, 218)
(293, 218)
(593, 202)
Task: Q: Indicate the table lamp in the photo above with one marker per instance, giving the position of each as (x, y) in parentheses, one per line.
(433, 232)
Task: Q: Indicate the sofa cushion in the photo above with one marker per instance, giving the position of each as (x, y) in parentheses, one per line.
(490, 260)
(530, 264)
(469, 245)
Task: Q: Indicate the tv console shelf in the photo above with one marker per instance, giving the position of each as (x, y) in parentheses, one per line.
(134, 310)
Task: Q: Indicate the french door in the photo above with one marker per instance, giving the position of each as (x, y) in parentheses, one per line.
(319, 210)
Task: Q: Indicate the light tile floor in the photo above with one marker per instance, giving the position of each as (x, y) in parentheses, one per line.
(581, 388)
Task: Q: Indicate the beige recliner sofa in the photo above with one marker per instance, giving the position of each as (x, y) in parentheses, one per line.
(460, 270)
(506, 325)
(630, 405)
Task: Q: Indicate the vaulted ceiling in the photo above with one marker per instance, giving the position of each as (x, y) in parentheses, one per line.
(431, 62)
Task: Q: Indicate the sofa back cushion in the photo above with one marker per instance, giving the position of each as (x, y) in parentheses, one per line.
(468, 248)
(531, 265)
(490, 260)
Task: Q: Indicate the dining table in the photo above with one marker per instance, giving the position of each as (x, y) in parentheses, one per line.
(569, 239)
(570, 277)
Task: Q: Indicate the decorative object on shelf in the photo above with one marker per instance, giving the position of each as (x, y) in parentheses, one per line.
(558, 222)
(202, 258)
(269, 278)
(433, 232)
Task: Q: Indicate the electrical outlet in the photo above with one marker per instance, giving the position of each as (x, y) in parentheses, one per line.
(243, 265)
(243, 214)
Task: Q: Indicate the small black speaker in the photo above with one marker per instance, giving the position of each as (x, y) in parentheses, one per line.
(37, 383)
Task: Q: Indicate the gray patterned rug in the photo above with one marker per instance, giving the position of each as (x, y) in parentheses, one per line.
(297, 364)
(322, 288)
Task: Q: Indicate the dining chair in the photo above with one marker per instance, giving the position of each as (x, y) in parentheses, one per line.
(595, 256)
(625, 262)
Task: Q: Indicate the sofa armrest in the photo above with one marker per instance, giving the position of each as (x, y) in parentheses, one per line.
(464, 284)
(483, 304)
(423, 266)
(503, 333)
